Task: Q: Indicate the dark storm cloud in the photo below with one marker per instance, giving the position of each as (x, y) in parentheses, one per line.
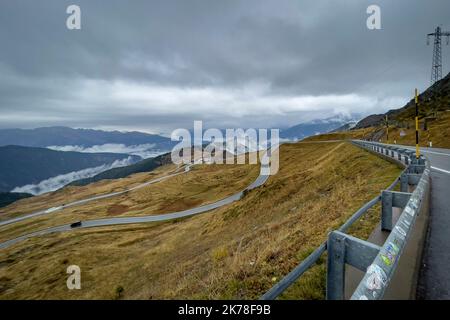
(156, 65)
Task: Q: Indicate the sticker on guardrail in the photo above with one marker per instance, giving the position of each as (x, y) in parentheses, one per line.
(381, 271)
(401, 231)
(390, 255)
(376, 279)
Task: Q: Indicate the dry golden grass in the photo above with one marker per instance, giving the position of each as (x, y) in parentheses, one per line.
(347, 135)
(438, 133)
(70, 193)
(203, 184)
(238, 251)
(312, 284)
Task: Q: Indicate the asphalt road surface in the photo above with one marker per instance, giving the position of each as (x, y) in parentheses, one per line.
(434, 281)
(434, 276)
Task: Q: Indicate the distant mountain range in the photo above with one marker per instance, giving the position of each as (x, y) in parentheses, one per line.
(315, 127)
(345, 127)
(34, 161)
(86, 138)
(21, 165)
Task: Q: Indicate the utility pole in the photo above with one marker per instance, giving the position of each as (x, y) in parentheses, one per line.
(417, 124)
(387, 129)
(436, 68)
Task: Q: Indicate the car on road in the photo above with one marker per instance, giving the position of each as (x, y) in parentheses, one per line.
(76, 224)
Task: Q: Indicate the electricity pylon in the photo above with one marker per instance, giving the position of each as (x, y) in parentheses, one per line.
(436, 69)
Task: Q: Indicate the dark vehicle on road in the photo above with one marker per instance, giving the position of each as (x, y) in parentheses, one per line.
(75, 224)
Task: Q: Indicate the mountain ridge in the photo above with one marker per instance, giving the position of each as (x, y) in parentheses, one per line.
(63, 136)
(434, 99)
(20, 165)
(306, 129)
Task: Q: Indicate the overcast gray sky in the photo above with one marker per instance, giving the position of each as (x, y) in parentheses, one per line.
(159, 65)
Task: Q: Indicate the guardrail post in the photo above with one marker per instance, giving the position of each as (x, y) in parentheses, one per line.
(391, 199)
(404, 182)
(407, 159)
(392, 153)
(386, 211)
(412, 157)
(343, 249)
(336, 266)
(407, 179)
(416, 168)
(413, 178)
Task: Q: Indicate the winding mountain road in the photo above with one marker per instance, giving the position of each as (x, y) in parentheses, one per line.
(260, 180)
(90, 199)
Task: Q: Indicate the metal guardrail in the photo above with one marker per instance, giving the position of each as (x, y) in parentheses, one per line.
(379, 263)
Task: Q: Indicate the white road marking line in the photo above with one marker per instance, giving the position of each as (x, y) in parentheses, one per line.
(434, 152)
(441, 170)
(423, 150)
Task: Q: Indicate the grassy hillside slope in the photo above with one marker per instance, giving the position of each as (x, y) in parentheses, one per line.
(74, 193)
(238, 251)
(203, 184)
(438, 133)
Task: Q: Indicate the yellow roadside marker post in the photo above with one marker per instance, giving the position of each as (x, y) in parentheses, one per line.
(417, 124)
